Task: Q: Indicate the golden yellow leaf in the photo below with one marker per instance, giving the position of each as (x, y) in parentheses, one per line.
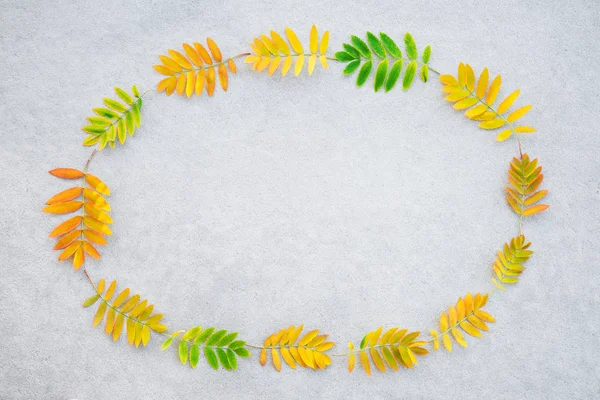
(223, 77)
(299, 64)
(482, 84)
(493, 124)
(78, 258)
(96, 199)
(97, 226)
(377, 360)
(465, 103)
(324, 44)
(312, 61)
(192, 55)
(508, 101)
(276, 359)
(296, 45)
(145, 335)
(203, 53)
(94, 237)
(170, 63)
(524, 129)
(263, 357)
(214, 49)
(199, 82)
(519, 113)
(505, 134)
(470, 77)
(447, 342)
(91, 250)
(99, 314)
(364, 360)
(449, 80)
(97, 213)
(287, 63)
(314, 39)
(180, 59)
(492, 93)
(181, 81)
(231, 66)
(190, 84)
(287, 357)
(210, 81)
(118, 328)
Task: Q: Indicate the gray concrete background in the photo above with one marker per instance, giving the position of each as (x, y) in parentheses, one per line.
(289, 201)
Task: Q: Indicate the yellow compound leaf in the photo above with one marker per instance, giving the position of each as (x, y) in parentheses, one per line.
(519, 113)
(296, 45)
(364, 361)
(508, 101)
(314, 39)
(214, 49)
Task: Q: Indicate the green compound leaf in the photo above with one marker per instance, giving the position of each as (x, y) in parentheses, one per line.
(382, 57)
(219, 346)
(390, 45)
(115, 121)
(411, 46)
(394, 75)
(375, 45)
(351, 67)
(361, 46)
(426, 54)
(380, 74)
(351, 50)
(409, 75)
(211, 357)
(424, 73)
(183, 352)
(364, 72)
(344, 56)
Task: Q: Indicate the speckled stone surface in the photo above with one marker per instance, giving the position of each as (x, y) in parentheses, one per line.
(287, 201)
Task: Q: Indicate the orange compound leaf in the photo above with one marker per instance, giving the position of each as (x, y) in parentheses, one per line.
(214, 49)
(96, 199)
(223, 78)
(97, 226)
(97, 184)
(67, 239)
(232, 66)
(66, 173)
(191, 71)
(94, 237)
(65, 195)
(70, 250)
(78, 258)
(63, 208)
(97, 213)
(91, 250)
(66, 226)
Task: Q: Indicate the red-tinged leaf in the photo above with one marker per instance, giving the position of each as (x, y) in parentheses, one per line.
(63, 208)
(535, 209)
(66, 173)
(66, 226)
(65, 195)
(67, 239)
(97, 184)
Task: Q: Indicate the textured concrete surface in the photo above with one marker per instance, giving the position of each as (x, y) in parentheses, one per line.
(289, 201)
